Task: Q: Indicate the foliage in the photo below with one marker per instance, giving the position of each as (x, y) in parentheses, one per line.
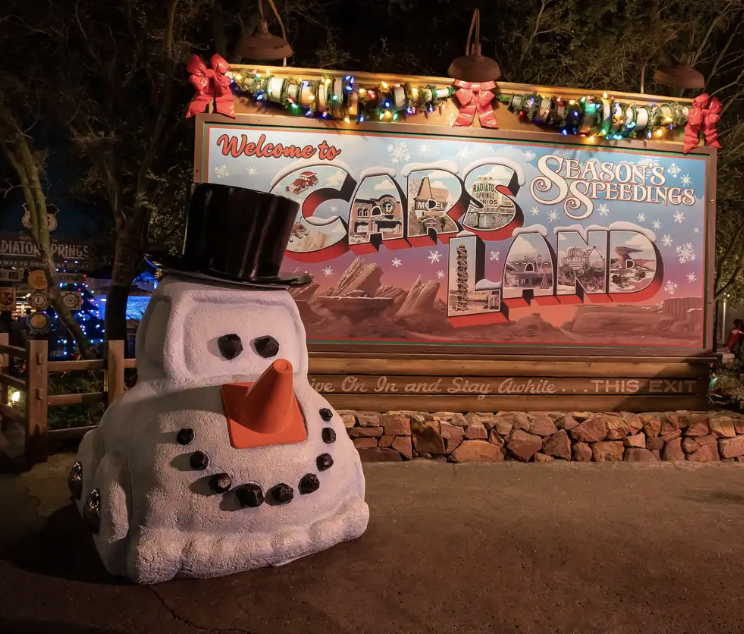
(64, 416)
(728, 383)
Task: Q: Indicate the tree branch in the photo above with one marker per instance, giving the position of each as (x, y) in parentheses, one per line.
(169, 27)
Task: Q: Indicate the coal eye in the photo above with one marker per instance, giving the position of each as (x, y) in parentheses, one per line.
(266, 346)
(230, 346)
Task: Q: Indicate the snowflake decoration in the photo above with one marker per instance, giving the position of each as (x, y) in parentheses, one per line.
(670, 287)
(656, 224)
(604, 210)
(529, 155)
(334, 209)
(424, 148)
(686, 180)
(568, 154)
(553, 216)
(679, 216)
(221, 171)
(434, 256)
(686, 253)
(463, 152)
(328, 271)
(398, 152)
(396, 262)
(641, 217)
(252, 171)
(674, 170)
(494, 256)
(440, 275)
(535, 211)
(667, 240)
(691, 277)
(696, 230)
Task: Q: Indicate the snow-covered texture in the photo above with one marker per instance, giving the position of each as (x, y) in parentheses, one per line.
(622, 225)
(531, 229)
(582, 231)
(159, 517)
(493, 160)
(307, 164)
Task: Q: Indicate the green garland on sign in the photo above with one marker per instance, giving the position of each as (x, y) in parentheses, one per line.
(341, 98)
(383, 102)
(598, 116)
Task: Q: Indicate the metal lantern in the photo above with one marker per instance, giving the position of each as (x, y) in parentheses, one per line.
(474, 67)
(262, 44)
(680, 74)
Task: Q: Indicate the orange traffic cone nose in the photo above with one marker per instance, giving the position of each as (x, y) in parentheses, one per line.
(265, 412)
(270, 399)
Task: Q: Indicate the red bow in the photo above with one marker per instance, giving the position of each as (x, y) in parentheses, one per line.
(211, 85)
(475, 98)
(704, 116)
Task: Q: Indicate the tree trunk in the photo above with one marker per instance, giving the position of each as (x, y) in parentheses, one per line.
(127, 256)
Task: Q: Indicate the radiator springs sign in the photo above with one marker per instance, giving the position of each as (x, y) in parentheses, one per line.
(451, 240)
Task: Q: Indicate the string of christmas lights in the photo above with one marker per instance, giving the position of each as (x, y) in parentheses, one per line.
(342, 98)
(598, 116)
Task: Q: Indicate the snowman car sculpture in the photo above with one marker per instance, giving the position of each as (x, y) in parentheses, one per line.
(222, 458)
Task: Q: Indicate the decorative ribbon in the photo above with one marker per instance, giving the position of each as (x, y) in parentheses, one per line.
(703, 117)
(475, 98)
(211, 84)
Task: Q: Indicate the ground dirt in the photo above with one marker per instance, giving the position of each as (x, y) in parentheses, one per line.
(502, 548)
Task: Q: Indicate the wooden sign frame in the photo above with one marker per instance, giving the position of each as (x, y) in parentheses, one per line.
(465, 377)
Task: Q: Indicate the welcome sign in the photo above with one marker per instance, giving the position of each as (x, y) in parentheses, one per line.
(456, 240)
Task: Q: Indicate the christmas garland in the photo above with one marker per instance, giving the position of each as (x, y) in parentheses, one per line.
(341, 98)
(332, 97)
(597, 116)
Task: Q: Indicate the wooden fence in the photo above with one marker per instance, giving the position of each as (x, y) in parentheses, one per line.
(36, 387)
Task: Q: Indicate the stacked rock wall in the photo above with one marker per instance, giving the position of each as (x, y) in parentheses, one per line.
(546, 436)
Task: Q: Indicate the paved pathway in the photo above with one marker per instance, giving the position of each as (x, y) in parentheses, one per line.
(504, 548)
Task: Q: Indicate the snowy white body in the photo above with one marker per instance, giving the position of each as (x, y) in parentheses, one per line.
(159, 517)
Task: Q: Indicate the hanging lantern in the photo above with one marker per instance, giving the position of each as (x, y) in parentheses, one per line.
(474, 67)
(262, 44)
(680, 74)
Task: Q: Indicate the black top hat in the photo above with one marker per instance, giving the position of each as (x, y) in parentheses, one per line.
(235, 236)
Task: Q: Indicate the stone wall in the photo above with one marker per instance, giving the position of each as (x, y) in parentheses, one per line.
(546, 436)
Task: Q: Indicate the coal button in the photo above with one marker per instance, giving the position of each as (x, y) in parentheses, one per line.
(199, 460)
(230, 346)
(92, 511)
(250, 495)
(220, 482)
(324, 461)
(281, 493)
(309, 483)
(328, 435)
(326, 414)
(266, 346)
(185, 436)
(75, 480)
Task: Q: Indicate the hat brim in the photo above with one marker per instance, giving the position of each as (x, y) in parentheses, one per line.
(169, 264)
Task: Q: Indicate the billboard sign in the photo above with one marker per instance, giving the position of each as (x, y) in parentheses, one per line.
(456, 240)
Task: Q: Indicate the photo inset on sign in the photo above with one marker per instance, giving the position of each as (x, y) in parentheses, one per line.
(632, 261)
(469, 293)
(581, 264)
(489, 185)
(376, 212)
(431, 194)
